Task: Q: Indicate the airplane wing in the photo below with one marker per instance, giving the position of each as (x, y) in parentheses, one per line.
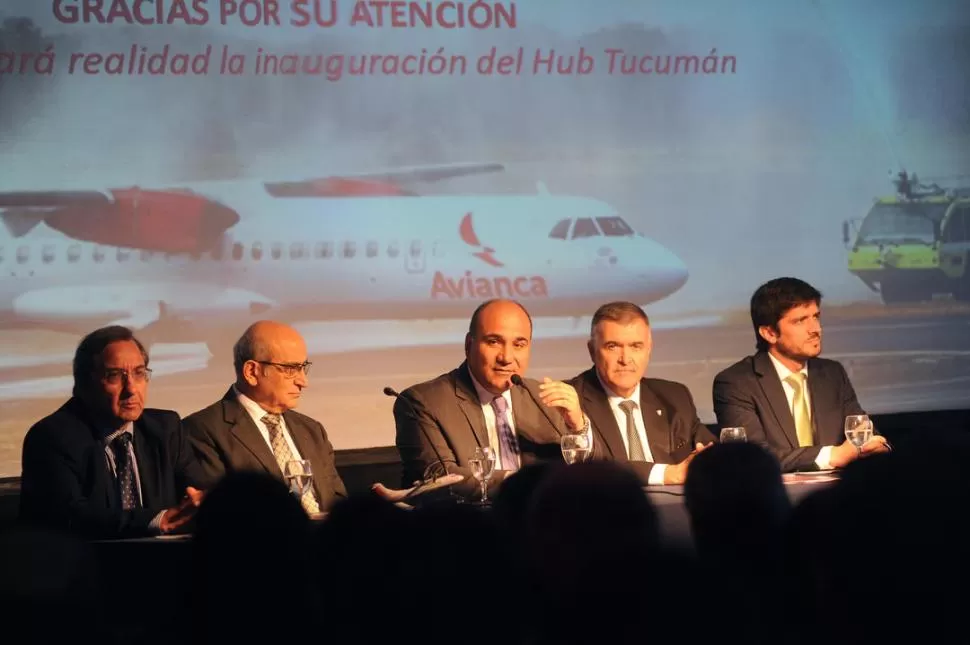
(379, 183)
(171, 221)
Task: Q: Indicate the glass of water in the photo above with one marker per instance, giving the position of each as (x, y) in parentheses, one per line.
(575, 447)
(482, 464)
(858, 429)
(729, 435)
(299, 476)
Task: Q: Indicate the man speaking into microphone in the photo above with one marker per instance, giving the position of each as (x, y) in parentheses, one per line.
(485, 402)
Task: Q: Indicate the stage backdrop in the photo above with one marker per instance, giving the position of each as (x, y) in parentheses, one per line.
(371, 171)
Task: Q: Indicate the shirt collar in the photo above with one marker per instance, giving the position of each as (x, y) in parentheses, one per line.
(614, 398)
(485, 396)
(782, 369)
(253, 408)
(128, 427)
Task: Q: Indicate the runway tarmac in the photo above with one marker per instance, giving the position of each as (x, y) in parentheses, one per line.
(897, 364)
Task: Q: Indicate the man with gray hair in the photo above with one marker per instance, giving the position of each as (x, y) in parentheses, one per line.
(254, 426)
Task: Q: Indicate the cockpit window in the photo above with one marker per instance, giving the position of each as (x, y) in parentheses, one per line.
(614, 226)
(561, 230)
(585, 227)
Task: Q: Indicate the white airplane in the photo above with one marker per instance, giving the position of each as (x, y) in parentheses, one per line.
(185, 264)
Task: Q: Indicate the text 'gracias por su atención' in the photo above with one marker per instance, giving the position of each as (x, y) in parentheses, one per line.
(477, 14)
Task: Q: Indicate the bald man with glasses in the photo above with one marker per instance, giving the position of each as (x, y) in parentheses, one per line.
(254, 426)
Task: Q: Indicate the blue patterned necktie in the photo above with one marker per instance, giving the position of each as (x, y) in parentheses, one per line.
(508, 447)
(125, 471)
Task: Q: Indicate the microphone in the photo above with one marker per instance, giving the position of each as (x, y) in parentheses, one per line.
(517, 380)
(389, 391)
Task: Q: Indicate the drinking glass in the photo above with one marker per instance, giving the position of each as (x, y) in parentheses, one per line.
(858, 429)
(729, 435)
(299, 476)
(575, 448)
(482, 463)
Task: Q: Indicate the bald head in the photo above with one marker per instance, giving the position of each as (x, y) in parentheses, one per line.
(271, 365)
(498, 343)
(497, 307)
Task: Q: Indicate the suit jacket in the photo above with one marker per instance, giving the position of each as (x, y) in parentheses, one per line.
(67, 484)
(225, 439)
(750, 394)
(671, 434)
(442, 419)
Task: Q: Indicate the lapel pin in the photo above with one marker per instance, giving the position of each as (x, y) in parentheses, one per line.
(659, 412)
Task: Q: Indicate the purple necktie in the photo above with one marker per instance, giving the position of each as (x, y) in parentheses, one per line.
(508, 447)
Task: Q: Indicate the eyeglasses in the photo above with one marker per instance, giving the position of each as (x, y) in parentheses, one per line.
(290, 370)
(116, 375)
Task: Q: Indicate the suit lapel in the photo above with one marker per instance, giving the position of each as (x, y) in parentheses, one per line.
(470, 404)
(775, 395)
(243, 429)
(824, 406)
(596, 405)
(146, 454)
(656, 424)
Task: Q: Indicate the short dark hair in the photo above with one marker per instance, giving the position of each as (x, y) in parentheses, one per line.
(87, 356)
(772, 300)
(477, 314)
(618, 312)
(249, 347)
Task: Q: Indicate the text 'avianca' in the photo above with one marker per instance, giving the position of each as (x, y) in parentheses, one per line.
(468, 286)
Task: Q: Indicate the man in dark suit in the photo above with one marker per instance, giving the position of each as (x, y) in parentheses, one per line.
(254, 426)
(784, 396)
(442, 421)
(647, 423)
(103, 465)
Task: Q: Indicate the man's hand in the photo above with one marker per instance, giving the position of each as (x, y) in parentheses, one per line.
(562, 396)
(877, 444)
(178, 516)
(677, 474)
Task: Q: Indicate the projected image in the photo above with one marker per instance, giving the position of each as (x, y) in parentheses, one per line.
(372, 182)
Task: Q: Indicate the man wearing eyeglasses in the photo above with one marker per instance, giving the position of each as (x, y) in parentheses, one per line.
(103, 465)
(254, 426)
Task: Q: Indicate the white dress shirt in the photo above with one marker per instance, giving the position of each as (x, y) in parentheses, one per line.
(257, 413)
(822, 461)
(657, 472)
(485, 397)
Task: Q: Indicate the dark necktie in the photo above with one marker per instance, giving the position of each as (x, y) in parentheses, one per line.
(125, 471)
(632, 436)
(508, 448)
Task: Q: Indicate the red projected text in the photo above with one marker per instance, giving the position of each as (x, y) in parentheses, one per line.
(132, 12)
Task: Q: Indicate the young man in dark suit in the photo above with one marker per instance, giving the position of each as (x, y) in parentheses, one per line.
(103, 465)
(786, 397)
(650, 424)
(254, 426)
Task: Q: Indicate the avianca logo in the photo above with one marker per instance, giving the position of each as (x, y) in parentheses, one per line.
(467, 231)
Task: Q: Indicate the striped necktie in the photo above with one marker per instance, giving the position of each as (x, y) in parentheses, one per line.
(283, 454)
(508, 447)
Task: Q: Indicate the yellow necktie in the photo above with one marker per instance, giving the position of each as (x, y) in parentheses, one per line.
(803, 416)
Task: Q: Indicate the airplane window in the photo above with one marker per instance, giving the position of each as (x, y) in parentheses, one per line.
(297, 250)
(614, 226)
(23, 254)
(48, 253)
(123, 255)
(146, 256)
(74, 253)
(216, 252)
(195, 256)
(372, 249)
(1, 255)
(324, 250)
(561, 230)
(98, 254)
(257, 251)
(437, 250)
(585, 227)
(415, 248)
(237, 251)
(393, 250)
(350, 249)
(276, 250)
